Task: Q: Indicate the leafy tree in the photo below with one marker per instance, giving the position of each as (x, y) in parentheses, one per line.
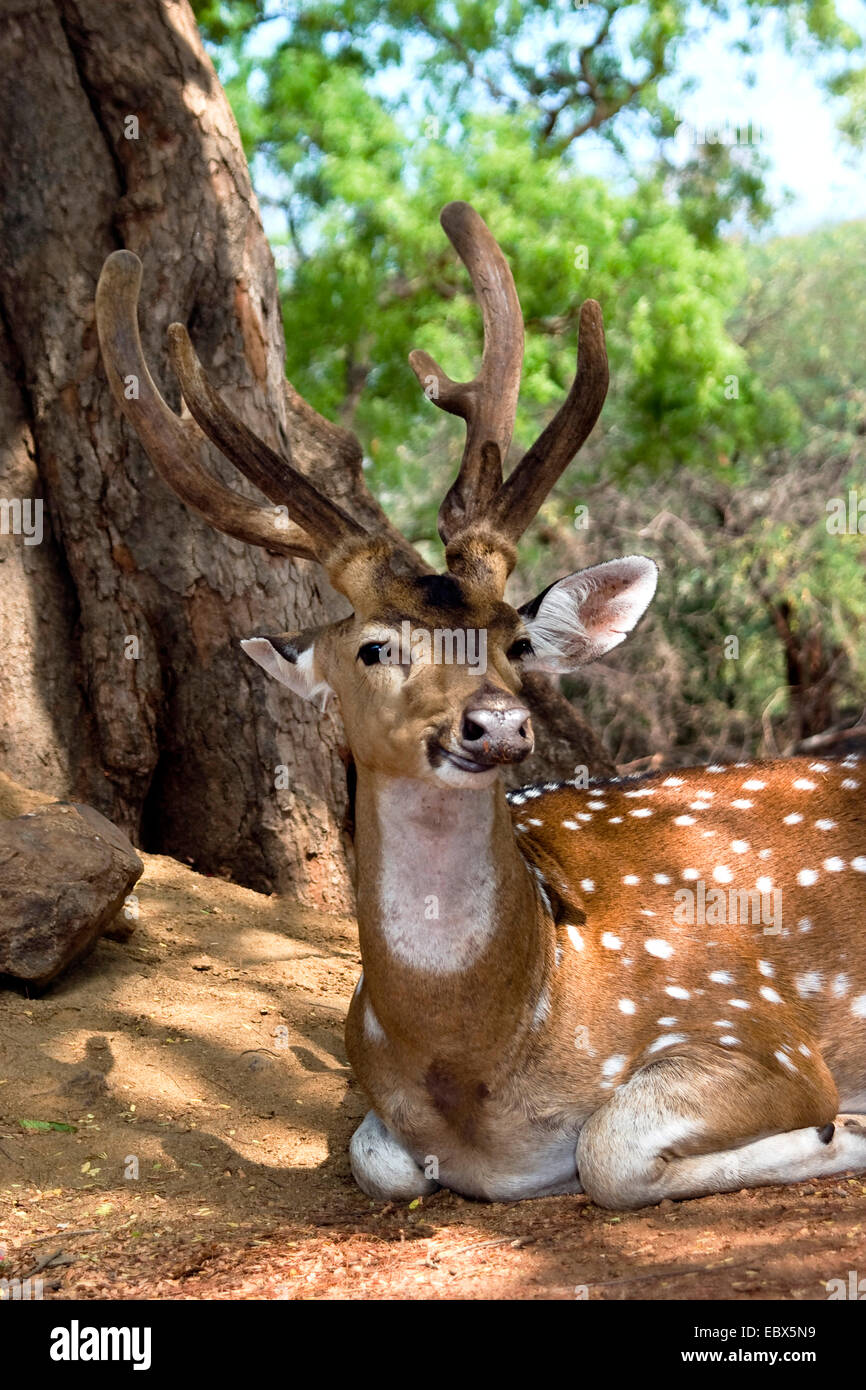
(735, 410)
(362, 119)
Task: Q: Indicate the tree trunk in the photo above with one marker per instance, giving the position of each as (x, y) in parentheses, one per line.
(124, 683)
(121, 680)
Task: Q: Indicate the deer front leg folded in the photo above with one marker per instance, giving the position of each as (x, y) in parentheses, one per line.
(382, 1167)
(695, 1124)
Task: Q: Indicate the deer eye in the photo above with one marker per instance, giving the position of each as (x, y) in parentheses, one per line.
(371, 653)
(522, 647)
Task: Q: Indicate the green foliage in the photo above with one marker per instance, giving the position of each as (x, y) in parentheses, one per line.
(361, 120)
(750, 554)
(737, 406)
(803, 321)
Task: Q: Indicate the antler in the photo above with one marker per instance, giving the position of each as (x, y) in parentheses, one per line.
(320, 527)
(488, 403)
(526, 487)
(176, 446)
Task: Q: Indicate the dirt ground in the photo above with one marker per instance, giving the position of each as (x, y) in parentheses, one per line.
(200, 1066)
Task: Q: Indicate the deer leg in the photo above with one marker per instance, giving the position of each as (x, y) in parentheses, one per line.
(694, 1125)
(382, 1167)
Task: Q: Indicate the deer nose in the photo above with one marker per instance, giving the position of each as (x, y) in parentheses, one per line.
(496, 729)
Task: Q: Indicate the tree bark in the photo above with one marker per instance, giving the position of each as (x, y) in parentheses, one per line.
(122, 682)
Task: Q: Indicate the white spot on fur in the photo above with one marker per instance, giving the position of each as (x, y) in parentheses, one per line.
(657, 947)
(808, 984)
(626, 1006)
(666, 1040)
(611, 942)
(372, 1027)
(807, 877)
(542, 1008)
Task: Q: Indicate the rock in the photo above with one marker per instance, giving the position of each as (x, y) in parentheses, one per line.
(64, 873)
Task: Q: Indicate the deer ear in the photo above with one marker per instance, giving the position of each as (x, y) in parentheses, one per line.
(581, 617)
(291, 659)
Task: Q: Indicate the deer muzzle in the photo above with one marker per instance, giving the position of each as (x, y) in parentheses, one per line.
(496, 728)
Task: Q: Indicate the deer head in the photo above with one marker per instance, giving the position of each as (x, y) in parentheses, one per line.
(428, 668)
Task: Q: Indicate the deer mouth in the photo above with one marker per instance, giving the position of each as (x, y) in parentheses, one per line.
(467, 764)
(437, 753)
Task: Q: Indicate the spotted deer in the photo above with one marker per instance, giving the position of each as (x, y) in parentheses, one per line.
(638, 988)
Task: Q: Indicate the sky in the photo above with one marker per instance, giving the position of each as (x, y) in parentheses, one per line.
(806, 153)
(813, 176)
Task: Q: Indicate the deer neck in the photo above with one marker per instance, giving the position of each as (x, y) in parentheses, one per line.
(454, 938)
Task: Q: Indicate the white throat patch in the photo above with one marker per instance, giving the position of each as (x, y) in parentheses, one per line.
(437, 883)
